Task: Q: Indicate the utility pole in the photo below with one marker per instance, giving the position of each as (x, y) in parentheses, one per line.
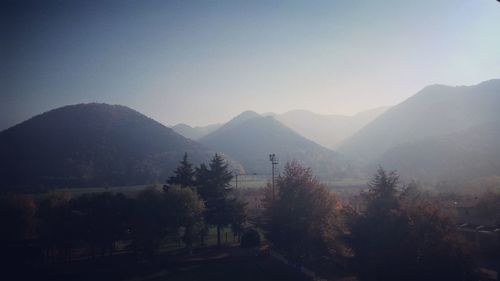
(274, 162)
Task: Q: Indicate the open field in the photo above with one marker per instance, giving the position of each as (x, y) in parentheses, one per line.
(244, 182)
(229, 263)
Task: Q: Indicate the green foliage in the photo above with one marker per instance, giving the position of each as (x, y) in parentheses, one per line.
(185, 209)
(18, 217)
(183, 174)
(214, 187)
(250, 238)
(214, 181)
(102, 218)
(58, 225)
(383, 192)
(148, 222)
(303, 221)
(160, 216)
(489, 206)
(238, 215)
(400, 239)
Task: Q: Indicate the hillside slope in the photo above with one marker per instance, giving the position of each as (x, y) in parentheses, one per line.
(249, 139)
(460, 156)
(434, 111)
(91, 145)
(327, 130)
(194, 133)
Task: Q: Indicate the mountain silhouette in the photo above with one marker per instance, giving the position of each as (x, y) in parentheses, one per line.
(91, 145)
(249, 138)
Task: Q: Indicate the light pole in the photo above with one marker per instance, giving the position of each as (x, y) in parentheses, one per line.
(274, 162)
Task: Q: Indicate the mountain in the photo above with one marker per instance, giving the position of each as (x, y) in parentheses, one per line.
(195, 133)
(91, 145)
(465, 155)
(327, 130)
(441, 134)
(433, 112)
(249, 138)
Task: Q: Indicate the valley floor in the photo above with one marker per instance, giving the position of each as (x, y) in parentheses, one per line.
(229, 263)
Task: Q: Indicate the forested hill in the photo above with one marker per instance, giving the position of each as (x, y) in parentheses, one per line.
(435, 111)
(456, 157)
(91, 145)
(195, 133)
(441, 134)
(249, 138)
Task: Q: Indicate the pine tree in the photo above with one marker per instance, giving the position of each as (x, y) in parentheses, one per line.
(383, 193)
(183, 174)
(214, 187)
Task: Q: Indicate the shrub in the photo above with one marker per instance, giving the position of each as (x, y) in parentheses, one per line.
(250, 238)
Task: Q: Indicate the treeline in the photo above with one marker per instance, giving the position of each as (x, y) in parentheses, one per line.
(394, 233)
(396, 236)
(58, 227)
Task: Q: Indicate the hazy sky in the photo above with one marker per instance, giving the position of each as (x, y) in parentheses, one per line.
(200, 62)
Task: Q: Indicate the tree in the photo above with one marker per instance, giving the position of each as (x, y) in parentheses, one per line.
(58, 227)
(214, 188)
(383, 191)
(303, 220)
(238, 217)
(103, 219)
(18, 217)
(489, 206)
(183, 174)
(148, 221)
(400, 239)
(250, 238)
(17, 213)
(185, 210)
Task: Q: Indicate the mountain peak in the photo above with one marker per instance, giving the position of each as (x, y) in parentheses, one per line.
(250, 139)
(194, 133)
(244, 116)
(80, 146)
(434, 111)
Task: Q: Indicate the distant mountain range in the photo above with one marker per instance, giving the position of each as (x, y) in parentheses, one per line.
(327, 130)
(463, 155)
(91, 145)
(195, 133)
(249, 138)
(440, 133)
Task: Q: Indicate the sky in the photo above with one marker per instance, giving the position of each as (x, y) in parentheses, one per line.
(202, 62)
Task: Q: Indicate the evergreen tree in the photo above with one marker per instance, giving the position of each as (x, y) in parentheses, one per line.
(183, 174)
(213, 186)
(400, 239)
(383, 192)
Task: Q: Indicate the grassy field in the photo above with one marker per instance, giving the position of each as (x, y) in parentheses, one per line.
(129, 191)
(244, 182)
(347, 182)
(251, 181)
(210, 263)
(230, 264)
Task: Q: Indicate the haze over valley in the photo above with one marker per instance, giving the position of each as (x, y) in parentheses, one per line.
(441, 134)
(257, 140)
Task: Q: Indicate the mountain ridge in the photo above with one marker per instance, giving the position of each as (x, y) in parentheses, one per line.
(91, 145)
(433, 111)
(250, 142)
